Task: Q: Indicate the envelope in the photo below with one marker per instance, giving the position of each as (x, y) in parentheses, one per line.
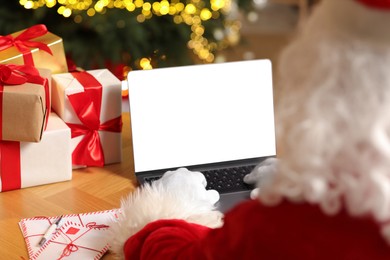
(75, 241)
(79, 236)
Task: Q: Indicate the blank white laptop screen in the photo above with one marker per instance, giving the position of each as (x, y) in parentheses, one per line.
(201, 114)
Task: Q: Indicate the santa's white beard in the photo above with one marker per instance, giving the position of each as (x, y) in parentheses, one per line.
(333, 112)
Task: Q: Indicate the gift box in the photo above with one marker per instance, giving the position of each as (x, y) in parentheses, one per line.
(90, 103)
(35, 46)
(26, 164)
(24, 102)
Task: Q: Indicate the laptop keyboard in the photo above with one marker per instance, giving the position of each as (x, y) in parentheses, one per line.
(223, 180)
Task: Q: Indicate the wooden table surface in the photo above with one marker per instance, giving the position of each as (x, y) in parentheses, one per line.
(91, 189)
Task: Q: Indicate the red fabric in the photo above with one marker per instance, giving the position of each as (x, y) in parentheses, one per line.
(252, 231)
(166, 239)
(377, 4)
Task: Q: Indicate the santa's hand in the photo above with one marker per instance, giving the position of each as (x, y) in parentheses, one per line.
(261, 174)
(188, 184)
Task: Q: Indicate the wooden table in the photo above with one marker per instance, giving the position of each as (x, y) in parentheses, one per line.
(91, 189)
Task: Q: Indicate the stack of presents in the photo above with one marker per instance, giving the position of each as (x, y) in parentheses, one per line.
(53, 120)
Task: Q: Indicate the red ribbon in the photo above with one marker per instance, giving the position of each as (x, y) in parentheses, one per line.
(23, 42)
(17, 75)
(10, 165)
(87, 106)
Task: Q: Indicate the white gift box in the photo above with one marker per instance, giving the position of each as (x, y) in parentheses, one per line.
(48, 161)
(111, 108)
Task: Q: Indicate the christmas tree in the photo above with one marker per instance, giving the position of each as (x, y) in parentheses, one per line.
(131, 34)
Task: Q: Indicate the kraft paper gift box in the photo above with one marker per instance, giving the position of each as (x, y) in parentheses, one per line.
(24, 102)
(90, 102)
(26, 164)
(34, 46)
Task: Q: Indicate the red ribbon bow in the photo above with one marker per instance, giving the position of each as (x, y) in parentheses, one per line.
(23, 42)
(87, 106)
(68, 250)
(17, 75)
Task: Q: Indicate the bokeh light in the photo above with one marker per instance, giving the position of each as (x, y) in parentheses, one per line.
(192, 12)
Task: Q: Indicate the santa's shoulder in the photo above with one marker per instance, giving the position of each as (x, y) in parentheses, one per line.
(351, 17)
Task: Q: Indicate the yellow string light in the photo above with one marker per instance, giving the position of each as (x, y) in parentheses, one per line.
(192, 13)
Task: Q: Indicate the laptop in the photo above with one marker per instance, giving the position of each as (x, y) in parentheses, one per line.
(214, 118)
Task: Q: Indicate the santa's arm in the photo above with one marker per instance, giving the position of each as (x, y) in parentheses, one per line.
(167, 239)
(178, 195)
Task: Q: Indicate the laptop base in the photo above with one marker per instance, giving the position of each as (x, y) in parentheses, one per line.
(228, 201)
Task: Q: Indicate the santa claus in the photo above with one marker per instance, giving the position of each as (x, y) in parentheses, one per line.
(327, 196)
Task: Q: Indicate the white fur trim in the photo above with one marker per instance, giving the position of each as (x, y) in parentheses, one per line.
(153, 202)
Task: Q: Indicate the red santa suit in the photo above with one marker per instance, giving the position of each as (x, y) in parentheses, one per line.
(253, 231)
(330, 195)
